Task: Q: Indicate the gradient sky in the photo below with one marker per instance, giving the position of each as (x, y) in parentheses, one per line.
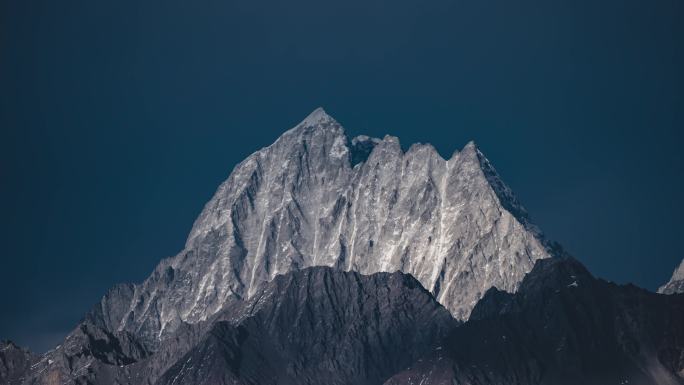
(118, 119)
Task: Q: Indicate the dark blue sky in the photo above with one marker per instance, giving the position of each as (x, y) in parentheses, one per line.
(120, 118)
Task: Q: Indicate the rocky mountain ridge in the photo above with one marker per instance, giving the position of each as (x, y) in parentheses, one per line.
(676, 283)
(318, 325)
(316, 198)
(325, 259)
(562, 327)
(15, 363)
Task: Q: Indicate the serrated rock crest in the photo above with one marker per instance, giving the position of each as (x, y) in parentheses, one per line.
(317, 198)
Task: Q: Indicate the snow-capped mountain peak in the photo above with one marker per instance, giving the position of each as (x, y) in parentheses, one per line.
(316, 117)
(316, 198)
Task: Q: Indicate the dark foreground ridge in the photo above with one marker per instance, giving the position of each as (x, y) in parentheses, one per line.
(247, 302)
(313, 326)
(562, 327)
(324, 326)
(320, 326)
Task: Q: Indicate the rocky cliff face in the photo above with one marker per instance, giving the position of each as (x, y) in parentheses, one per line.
(89, 354)
(676, 283)
(312, 198)
(15, 363)
(319, 326)
(313, 326)
(562, 327)
(316, 198)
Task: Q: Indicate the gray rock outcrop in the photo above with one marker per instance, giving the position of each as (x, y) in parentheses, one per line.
(676, 283)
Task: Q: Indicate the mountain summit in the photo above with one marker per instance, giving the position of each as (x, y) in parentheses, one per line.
(317, 198)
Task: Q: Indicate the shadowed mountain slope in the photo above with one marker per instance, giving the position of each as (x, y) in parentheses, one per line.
(562, 327)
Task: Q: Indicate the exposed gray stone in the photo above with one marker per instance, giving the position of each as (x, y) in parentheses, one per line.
(676, 283)
(563, 327)
(312, 198)
(452, 224)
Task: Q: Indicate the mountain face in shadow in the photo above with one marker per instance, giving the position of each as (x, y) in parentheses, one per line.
(312, 326)
(15, 363)
(562, 327)
(320, 326)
